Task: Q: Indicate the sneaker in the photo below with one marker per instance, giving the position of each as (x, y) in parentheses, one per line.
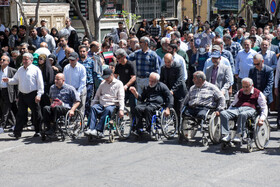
(1, 130)
(226, 138)
(100, 134)
(12, 129)
(88, 132)
(93, 132)
(37, 134)
(14, 136)
(237, 138)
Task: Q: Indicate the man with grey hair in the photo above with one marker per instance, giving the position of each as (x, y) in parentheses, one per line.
(262, 76)
(239, 37)
(177, 35)
(154, 95)
(244, 105)
(48, 39)
(164, 42)
(269, 56)
(66, 31)
(31, 87)
(146, 62)
(202, 97)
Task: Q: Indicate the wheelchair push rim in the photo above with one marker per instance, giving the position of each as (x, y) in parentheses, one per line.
(215, 128)
(261, 134)
(123, 124)
(169, 124)
(74, 125)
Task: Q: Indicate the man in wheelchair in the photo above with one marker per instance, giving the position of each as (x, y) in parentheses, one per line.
(109, 95)
(202, 97)
(244, 105)
(63, 97)
(154, 95)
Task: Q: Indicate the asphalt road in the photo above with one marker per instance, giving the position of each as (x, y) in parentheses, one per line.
(31, 162)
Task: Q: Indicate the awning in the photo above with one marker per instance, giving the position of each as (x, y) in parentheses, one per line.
(227, 4)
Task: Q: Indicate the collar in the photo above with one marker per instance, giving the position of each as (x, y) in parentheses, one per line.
(6, 69)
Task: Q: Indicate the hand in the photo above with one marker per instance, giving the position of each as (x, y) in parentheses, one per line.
(121, 114)
(37, 99)
(55, 68)
(167, 112)
(171, 92)
(260, 122)
(223, 92)
(5, 79)
(133, 90)
(276, 91)
(217, 113)
(71, 113)
(125, 87)
(236, 76)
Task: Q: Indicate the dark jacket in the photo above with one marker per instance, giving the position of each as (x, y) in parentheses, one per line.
(157, 95)
(173, 78)
(266, 81)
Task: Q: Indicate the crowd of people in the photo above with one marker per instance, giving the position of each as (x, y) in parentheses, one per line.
(199, 65)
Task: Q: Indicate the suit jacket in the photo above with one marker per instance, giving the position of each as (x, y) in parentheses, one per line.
(222, 79)
(266, 81)
(12, 89)
(174, 79)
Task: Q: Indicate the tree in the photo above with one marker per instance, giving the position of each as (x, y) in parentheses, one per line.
(194, 10)
(104, 5)
(130, 20)
(28, 27)
(248, 4)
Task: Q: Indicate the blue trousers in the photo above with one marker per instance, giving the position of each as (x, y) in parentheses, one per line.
(242, 112)
(98, 110)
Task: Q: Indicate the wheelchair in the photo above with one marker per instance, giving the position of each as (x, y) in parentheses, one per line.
(66, 126)
(116, 125)
(190, 125)
(162, 125)
(253, 134)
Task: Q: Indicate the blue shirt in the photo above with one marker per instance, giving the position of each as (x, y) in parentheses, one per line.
(146, 63)
(60, 55)
(90, 67)
(234, 48)
(67, 94)
(76, 76)
(270, 59)
(2, 75)
(227, 54)
(244, 62)
(37, 41)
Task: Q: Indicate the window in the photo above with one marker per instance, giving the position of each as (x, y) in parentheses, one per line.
(114, 9)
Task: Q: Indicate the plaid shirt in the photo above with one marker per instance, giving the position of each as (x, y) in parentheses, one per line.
(155, 31)
(89, 65)
(234, 48)
(208, 96)
(146, 63)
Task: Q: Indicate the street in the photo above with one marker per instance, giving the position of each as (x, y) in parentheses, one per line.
(31, 162)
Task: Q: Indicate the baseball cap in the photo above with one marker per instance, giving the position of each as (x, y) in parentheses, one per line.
(215, 54)
(73, 56)
(106, 73)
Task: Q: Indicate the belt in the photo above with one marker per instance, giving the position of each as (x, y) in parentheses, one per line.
(28, 93)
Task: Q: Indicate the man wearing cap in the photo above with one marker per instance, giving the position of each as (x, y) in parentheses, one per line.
(219, 74)
(75, 75)
(109, 95)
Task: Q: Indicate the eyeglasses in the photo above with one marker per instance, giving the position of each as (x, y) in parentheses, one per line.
(41, 59)
(257, 64)
(3, 60)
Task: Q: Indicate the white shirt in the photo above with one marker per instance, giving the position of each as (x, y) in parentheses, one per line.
(29, 80)
(2, 28)
(2, 75)
(261, 102)
(181, 60)
(76, 76)
(50, 41)
(43, 50)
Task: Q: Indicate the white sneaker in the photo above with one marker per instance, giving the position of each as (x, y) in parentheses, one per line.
(93, 132)
(88, 132)
(1, 130)
(100, 135)
(237, 138)
(226, 138)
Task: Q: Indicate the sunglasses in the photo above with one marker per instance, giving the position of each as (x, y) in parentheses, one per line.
(3, 60)
(257, 64)
(41, 59)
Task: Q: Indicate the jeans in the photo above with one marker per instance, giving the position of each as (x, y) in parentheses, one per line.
(242, 112)
(90, 92)
(98, 110)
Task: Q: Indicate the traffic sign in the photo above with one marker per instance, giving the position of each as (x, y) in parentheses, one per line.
(273, 6)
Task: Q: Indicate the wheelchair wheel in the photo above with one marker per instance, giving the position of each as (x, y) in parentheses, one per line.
(74, 125)
(111, 138)
(215, 128)
(169, 124)
(261, 134)
(188, 128)
(123, 125)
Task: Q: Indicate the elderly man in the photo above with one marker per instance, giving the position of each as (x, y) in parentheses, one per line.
(7, 92)
(69, 98)
(219, 74)
(202, 97)
(109, 95)
(75, 75)
(269, 56)
(244, 62)
(253, 32)
(48, 39)
(31, 87)
(262, 76)
(164, 42)
(154, 95)
(230, 45)
(239, 36)
(43, 49)
(146, 62)
(244, 105)
(171, 74)
(65, 61)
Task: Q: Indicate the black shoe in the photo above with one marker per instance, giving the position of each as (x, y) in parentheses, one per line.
(37, 134)
(14, 136)
(49, 132)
